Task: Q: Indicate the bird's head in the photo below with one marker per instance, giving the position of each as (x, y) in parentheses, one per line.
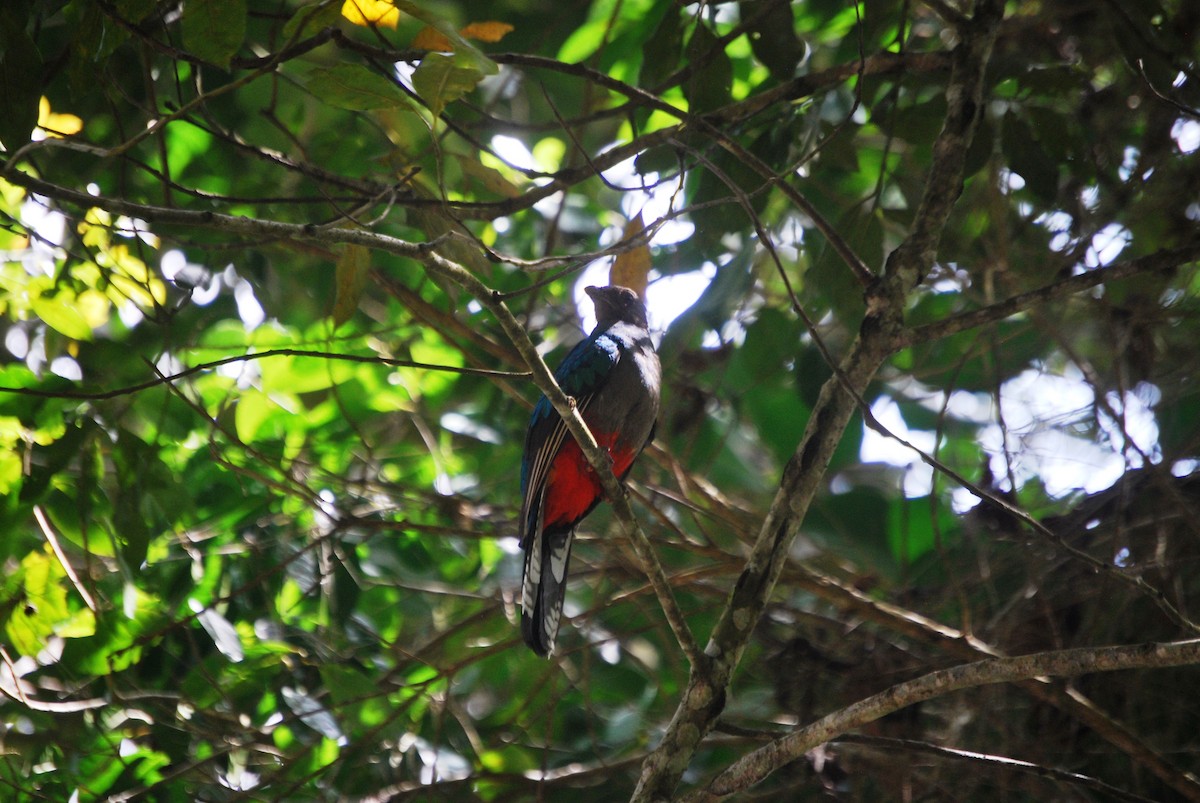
(615, 303)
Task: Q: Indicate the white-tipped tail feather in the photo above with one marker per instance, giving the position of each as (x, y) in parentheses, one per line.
(544, 588)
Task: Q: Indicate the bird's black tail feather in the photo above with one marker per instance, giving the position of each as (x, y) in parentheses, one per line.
(544, 587)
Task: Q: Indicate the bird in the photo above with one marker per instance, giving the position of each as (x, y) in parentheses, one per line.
(615, 379)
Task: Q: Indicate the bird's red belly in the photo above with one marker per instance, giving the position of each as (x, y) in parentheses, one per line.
(571, 485)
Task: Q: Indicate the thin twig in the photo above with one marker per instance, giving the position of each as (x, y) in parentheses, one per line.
(988, 761)
(1166, 259)
(15, 693)
(161, 379)
(52, 539)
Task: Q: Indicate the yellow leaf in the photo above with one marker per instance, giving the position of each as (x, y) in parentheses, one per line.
(94, 228)
(94, 306)
(631, 267)
(429, 38)
(129, 278)
(490, 31)
(57, 125)
(122, 289)
(371, 12)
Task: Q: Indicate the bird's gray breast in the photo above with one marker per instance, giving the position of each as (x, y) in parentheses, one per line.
(628, 402)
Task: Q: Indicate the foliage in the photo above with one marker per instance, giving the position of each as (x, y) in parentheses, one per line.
(259, 439)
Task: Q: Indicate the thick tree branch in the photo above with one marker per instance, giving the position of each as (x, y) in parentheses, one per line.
(754, 767)
(967, 646)
(708, 686)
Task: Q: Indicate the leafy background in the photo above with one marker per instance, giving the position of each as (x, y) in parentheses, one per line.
(258, 477)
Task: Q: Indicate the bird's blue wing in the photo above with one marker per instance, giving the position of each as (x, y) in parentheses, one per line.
(581, 374)
(588, 365)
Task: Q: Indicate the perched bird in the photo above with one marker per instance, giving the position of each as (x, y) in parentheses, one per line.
(614, 377)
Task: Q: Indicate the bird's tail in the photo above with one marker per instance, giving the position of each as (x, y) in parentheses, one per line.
(544, 586)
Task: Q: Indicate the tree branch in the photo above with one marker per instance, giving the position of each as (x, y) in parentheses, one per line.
(708, 685)
(967, 646)
(988, 761)
(1150, 263)
(754, 767)
(163, 379)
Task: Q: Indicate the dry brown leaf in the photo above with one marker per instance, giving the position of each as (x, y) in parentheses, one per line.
(352, 268)
(490, 31)
(429, 38)
(631, 268)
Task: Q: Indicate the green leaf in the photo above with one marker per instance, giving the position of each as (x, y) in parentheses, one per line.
(346, 591)
(854, 525)
(20, 87)
(129, 522)
(353, 267)
(135, 10)
(436, 224)
(663, 49)
(829, 279)
(488, 178)
(918, 123)
(312, 19)
(772, 33)
(1028, 158)
(214, 29)
(62, 317)
(779, 416)
(100, 769)
(1178, 423)
(43, 603)
(708, 87)
(879, 18)
(440, 80)
(296, 375)
(119, 638)
(771, 342)
(913, 532)
(11, 471)
(253, 410)
(354, 87)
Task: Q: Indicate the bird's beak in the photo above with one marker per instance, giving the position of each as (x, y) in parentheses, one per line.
(591, 291)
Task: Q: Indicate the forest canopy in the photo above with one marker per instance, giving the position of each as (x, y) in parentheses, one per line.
(279, 286)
